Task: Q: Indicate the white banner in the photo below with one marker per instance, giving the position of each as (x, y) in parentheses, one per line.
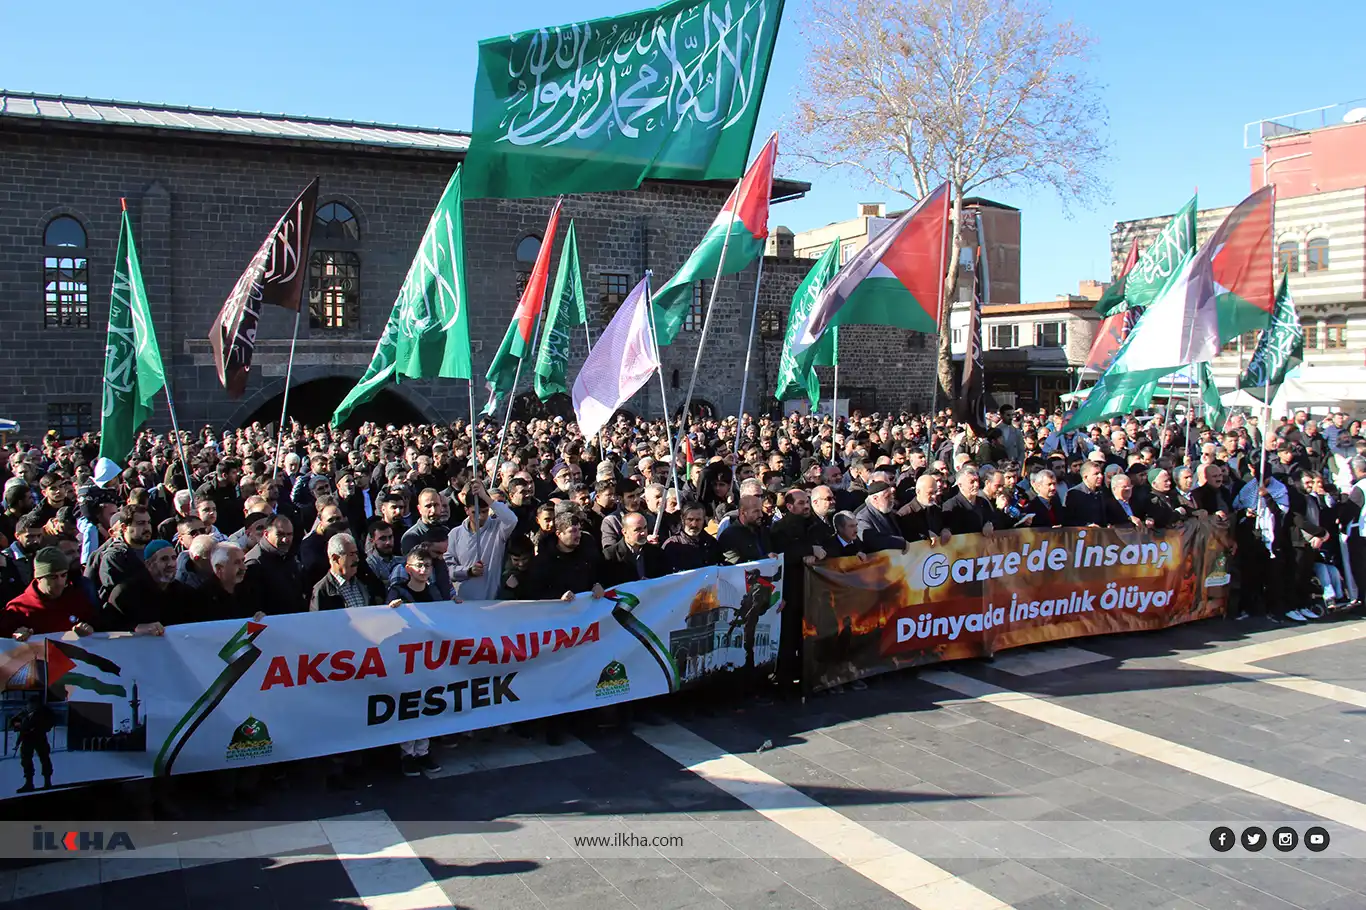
(228, 694)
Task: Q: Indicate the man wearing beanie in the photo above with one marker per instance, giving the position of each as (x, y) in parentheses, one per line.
(49, 604)
(146, 602)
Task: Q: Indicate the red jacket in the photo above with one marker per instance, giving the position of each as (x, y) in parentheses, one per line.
(43, 616)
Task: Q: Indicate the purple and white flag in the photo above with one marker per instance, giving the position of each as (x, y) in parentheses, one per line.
(621, 362)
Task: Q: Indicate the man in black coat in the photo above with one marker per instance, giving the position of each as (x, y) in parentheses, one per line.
(568, 567)
(349, 582)
(876, 524)
(921, 518)
(313, 548)
(1045, 506)
(967, 512)
(633, 557)
(746, 539)
(1086, 502)
(691, 547)
(274, 580)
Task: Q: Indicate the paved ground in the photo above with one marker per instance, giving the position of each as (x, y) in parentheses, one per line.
(1072, 776)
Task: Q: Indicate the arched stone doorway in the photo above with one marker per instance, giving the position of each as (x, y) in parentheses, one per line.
(312, 403)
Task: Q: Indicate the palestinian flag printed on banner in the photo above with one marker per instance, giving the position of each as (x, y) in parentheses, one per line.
(70, 666)
(744, 220)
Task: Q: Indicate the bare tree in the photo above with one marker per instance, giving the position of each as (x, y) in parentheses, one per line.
(912, 93)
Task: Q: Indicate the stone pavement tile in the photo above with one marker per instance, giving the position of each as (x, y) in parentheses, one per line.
(1014, 882)
(1096, 753)
(952, 808)
(1248, 805)
(227, 885)
(1169, 778)
(727, 878)
(554, 880)
(1014, 773)
(665, 887)
(1066, 899)
(1022, 807)
(1108, 808)
(1346, 873)
(1232, 895)
(1062, 792)
(1104, 883)
(1179, 876)
(164, 892)
(832, 884)
(1298, 885)
(89, 897)
(486, 892)
(305, 883)
(782, 897)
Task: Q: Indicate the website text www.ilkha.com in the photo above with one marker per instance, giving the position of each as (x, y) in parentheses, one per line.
(628, 839)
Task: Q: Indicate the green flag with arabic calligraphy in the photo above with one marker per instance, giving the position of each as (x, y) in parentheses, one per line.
(433, 325)
(670, 93)
(133, 372)
(796, 371)
(1280, 348)
(565, 311)
(380, 370)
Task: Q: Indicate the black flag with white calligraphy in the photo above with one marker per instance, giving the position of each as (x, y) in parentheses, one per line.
(275, 276)
(971, 405)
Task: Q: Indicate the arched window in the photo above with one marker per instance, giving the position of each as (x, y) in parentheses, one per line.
(334, 269)
(1316, 255)
(64, 231)
(528, 248)
(66, 275)
(1288, 256)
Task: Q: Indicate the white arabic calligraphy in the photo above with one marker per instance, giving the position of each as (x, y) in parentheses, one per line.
(574, 83)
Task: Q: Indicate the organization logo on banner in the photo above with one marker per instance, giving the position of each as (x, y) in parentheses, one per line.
(612, 681)
(1218, 576)
(250, 741)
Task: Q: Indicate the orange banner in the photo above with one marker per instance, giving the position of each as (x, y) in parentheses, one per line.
(976, 595)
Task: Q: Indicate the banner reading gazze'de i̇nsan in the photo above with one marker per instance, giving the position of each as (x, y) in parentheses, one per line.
(977, 595)
(227, 694)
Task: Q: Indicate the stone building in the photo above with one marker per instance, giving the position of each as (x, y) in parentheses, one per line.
(203, 187)
(1033, 352)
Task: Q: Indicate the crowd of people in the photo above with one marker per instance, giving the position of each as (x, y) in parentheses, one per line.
(388, 515)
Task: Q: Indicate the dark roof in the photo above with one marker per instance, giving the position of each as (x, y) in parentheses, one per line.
(123, 116)
(983, 202)
(96, 112)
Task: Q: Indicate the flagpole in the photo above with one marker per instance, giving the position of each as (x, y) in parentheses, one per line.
(512, 394)
(835, 402)
(749, 350)
(474, 439)
(284, 402)
(175, 428)
(588, 336)
(663, 402)
(701, 342)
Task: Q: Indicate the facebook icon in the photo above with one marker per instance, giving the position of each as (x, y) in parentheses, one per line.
(1221, 839)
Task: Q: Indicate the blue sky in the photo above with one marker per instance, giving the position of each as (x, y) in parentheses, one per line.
(1179, 80)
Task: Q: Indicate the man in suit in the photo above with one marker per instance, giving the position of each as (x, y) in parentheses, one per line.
(876, 524)
(1045, 506)
(633, 557)
(966, 512)
(1085, 503)
(847, 542)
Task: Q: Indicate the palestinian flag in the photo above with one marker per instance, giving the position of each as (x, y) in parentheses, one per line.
(1110, 337)
(896, 280)
(71, 666)
(740, 228)
(1220, 292)
(518, 341)
(1113, 298)
(1241, 267)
